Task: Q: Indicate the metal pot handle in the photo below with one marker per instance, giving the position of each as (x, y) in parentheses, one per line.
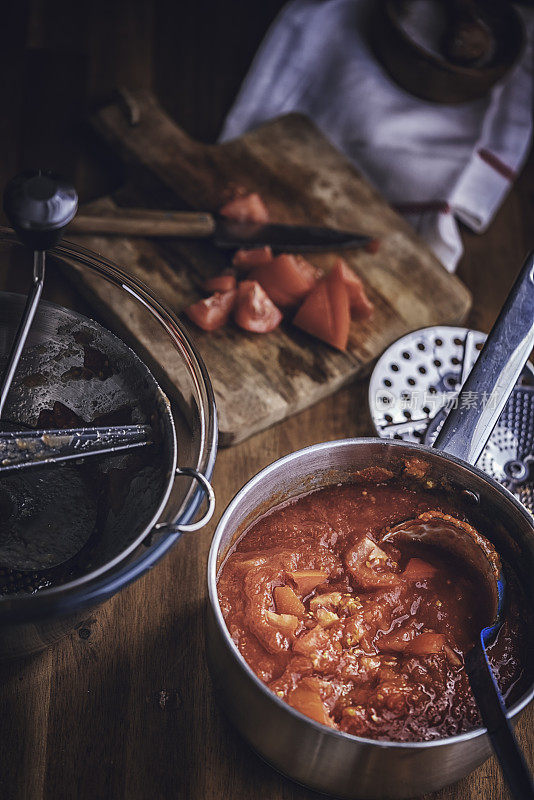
(469, 425)
(205, 518)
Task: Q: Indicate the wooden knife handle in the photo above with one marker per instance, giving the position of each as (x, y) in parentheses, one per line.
(145, 222)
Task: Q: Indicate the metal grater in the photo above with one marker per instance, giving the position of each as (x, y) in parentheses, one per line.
(418, 378)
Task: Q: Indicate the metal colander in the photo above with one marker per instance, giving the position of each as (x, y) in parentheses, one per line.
(59, 521)
(74, 533)
(416, 382)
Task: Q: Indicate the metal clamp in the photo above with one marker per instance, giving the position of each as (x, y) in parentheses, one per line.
(210, 497)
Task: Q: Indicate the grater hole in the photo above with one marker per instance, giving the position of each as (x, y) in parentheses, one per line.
(406, 355)
(387, 382)
(395, 367)
(421, 346)
(426, 410)
(455, 360)
(388, 418)
(411, 381)
(479, 345)
(458, 341)
(437, 362)
(407, 414)
(422, 370)
(438, 342)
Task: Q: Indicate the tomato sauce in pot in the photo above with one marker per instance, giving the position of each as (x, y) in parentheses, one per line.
(362, 636)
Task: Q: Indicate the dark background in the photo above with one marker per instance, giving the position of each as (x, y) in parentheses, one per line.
(60, 59)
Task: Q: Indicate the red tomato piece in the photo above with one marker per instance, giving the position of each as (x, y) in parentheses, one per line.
(325, 312)
(246, 259)
(306, 580)
(287, 602)
(360, 305)
(212, 312)
(249, 208)
(427, 643)
(306, 698)
(418, 570)
(254, 310)
(286, 279)
(369, 565)
(219, 283)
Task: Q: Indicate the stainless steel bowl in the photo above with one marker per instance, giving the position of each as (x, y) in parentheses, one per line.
(328, 760)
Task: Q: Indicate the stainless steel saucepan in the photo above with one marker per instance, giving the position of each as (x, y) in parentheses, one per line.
(328, 760)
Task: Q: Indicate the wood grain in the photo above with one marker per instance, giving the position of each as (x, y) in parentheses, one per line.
(260, 380)
(123, 708)
(145, 222)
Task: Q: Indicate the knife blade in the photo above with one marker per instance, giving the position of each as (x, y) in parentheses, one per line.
(282, 238)
(226, 234)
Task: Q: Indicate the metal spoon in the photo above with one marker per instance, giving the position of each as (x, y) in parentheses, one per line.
(458, 538)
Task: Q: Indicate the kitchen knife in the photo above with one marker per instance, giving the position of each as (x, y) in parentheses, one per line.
(225, 233)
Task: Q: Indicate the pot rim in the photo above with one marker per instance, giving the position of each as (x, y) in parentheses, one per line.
(216, 609)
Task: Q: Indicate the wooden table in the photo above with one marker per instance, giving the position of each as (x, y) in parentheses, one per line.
(123, 707)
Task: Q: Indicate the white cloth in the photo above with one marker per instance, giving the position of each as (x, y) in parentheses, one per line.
(435, 163)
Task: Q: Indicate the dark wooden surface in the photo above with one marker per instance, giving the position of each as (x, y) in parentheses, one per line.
(123, 708)
(261, 380)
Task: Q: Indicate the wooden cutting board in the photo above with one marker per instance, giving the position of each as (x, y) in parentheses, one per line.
(261, 379)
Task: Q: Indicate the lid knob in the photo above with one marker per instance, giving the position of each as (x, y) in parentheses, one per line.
(39, 204)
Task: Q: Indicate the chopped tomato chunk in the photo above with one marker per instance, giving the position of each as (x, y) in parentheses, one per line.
(325, 312)
(286, 623)
(418, 570)
(317, 644)
(325, 618)
(312, 641)
(369, 565)
(427, 643)
(286, 279)
(397, 640)
(360, 305)
(330, 601)
(306, 698)
(254, 310)
(246, 259)
(287, 601)
(212, 312)
(306, 580)
(219, 283)
(249, 208)
(452, 656)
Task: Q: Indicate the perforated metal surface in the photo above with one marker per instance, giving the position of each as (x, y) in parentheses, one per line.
(416, 382)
